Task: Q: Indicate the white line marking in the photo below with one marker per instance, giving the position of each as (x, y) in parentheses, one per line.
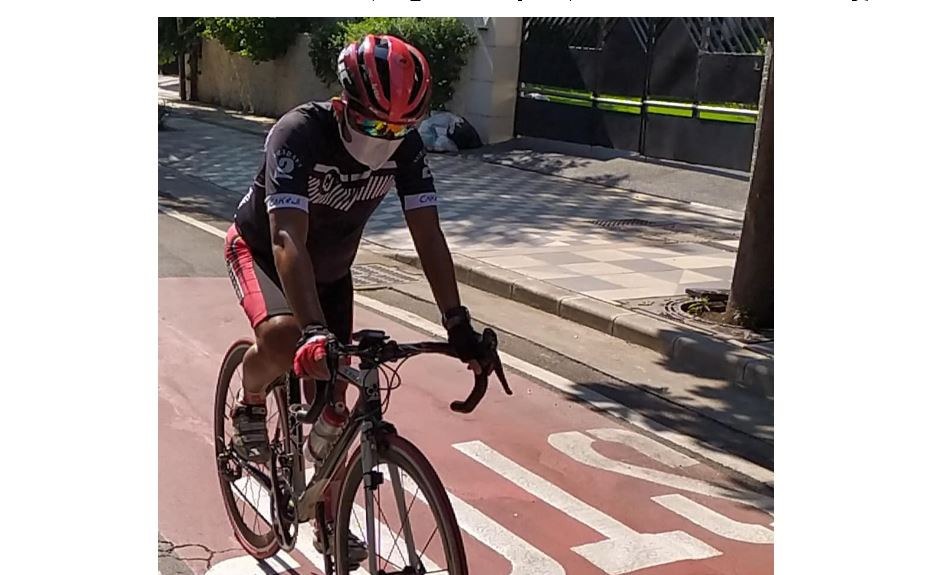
(645, 445)
(562, 384)
(192, 221)
(716, 522)
(595, 399)
(248, 565)
(580, 447)
(624, 550)
(523, 558)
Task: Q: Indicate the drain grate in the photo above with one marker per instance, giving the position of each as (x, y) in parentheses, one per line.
(372, 276)
(632, 222)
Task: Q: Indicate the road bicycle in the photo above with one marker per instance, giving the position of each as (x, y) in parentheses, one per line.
(268, 504)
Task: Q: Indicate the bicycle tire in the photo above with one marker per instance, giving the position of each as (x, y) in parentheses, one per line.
(408, 458)
(259, 546)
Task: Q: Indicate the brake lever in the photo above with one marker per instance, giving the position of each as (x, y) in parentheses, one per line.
(481, 381)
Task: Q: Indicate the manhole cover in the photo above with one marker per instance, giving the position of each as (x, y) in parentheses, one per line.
(669, 233)
(632, 222)
(671, 308)
(372, 276)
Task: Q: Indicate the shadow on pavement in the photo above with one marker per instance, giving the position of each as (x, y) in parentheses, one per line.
(530, 153)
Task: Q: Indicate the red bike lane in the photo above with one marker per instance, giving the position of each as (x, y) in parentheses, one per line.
(541, 485)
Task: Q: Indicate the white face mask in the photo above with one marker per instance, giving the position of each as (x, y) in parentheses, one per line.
(371, 152)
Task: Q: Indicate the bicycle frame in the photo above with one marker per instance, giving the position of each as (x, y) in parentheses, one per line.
(366, 417)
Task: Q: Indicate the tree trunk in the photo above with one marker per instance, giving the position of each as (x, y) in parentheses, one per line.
(181, 60)
(194, 72)
(751, 303)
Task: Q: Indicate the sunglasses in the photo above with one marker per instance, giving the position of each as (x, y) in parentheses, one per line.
(377, 128)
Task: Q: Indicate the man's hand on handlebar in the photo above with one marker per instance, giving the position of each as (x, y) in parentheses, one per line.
(467, 342)
(310, 359)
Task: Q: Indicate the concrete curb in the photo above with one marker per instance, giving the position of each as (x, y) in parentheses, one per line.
(258, 125)
(683, 349)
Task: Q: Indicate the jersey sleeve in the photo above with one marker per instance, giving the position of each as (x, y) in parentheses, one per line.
(413, 177)
(286, 164)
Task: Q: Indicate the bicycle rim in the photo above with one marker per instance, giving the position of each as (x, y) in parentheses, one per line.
(435, 544)
(246, 501)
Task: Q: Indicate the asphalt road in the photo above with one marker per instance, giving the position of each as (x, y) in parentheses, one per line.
(541, 484)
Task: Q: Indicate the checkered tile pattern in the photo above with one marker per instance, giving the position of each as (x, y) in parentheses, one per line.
(227, 158)
(533, 224)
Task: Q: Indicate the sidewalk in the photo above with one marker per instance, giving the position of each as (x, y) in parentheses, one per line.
(599, 255)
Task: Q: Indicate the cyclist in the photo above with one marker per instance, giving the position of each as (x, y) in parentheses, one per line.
(326, 167)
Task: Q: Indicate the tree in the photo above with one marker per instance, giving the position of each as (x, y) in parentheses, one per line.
(751, 303)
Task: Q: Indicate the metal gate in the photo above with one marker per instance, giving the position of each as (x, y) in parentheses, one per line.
(676, 88)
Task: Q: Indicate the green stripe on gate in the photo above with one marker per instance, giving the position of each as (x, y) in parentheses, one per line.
(554, 90)
(619, 108)
(719, 117)
(624, 105)
(662, 111)
(568, 101)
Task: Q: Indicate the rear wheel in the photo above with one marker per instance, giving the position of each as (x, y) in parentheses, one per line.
(414, 522)
(246, 500)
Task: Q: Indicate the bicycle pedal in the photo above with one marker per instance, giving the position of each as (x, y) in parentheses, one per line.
(301, 411)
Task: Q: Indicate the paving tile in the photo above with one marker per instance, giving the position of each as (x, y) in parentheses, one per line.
(547, 272)
(559, 258)
(620, 294)
(720, 273)
(608, 255)
(639, 280)
(594, 268)
(513, 262)
(698, 262)
(644, 265)
(583, 283)
(694, 276)
(696, 249)
(650, 252)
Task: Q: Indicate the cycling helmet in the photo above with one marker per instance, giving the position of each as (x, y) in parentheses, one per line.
(386, 79)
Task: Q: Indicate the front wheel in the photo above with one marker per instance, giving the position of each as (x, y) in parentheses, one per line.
(414, 523)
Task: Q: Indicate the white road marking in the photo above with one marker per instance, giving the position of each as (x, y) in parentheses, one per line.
(192, 221)
(248, 565)
(562, 384)
(597, 400)
(645, 445)
(714, 521)
(523, 558)
(579, 447)
(624, 550)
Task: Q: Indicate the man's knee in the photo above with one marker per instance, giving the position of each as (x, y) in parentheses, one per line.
(277, 339)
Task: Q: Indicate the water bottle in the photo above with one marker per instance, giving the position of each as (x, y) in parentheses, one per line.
(325, 431)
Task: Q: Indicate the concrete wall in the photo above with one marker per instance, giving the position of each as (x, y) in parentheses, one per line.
(485, 95)
(267, 88)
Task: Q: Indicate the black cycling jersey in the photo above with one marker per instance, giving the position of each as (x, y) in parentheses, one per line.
(306, 167)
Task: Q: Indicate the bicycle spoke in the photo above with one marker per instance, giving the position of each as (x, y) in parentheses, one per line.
(394, 546)
(428, 541)
(397, 537)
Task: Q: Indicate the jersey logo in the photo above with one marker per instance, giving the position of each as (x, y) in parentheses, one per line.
(424, 200)
(328, 187)
(285, 163)
(277, 201)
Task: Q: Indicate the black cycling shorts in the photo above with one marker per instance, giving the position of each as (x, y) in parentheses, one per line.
(261, 298)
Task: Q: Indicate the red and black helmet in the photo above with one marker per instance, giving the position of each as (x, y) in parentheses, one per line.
(385, 78)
